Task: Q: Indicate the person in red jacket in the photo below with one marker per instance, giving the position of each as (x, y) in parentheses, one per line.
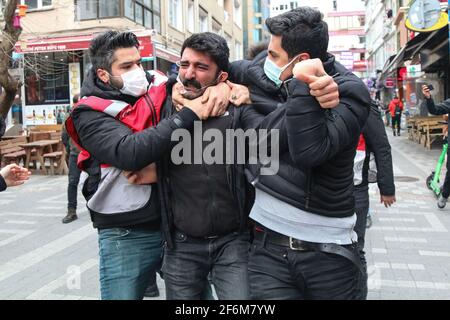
(396, 108)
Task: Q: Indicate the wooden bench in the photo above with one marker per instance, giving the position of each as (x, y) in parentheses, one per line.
(416, 127)
(47, 127)
(57, 158)
(11, 151)
(432, 130)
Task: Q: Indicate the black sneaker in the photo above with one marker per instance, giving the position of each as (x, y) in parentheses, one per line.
(71, 216)
(442, 201)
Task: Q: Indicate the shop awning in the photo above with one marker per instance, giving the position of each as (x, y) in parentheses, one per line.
(434, 51)
(406, 53)
(78, 42)
(165, 54)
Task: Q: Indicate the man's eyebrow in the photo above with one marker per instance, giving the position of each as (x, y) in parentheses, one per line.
(273, 53)
(197, 64)
(125, 63)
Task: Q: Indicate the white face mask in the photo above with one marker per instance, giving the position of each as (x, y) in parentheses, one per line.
(134, 82)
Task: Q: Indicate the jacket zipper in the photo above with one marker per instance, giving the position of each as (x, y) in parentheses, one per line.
(308, 188)
(152, 109)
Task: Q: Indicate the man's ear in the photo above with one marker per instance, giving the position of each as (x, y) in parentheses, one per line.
(103, 75)
(223, 77)
(303, 56)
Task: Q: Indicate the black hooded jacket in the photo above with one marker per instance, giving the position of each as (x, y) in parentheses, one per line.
(316, 146)
(112, 142)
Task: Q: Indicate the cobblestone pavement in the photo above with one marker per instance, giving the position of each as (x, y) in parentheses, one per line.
(408, 246)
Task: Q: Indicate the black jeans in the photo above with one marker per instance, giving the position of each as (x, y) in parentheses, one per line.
(277, 272)
(361, 194)
(187, 265)
(396, 123)
(74, 178)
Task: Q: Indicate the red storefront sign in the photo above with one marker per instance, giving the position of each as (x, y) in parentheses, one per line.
(360, 65)
(74, 43)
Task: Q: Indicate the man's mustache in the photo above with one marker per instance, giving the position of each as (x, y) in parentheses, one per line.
(191, 83)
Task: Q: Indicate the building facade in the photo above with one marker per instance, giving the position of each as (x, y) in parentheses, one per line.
(396, 53)
(255, 13)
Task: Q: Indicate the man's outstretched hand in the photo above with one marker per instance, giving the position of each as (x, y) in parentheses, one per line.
(15, 175)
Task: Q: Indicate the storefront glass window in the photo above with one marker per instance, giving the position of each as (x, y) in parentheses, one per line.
(46, 78)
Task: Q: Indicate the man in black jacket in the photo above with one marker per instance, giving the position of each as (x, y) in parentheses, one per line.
(205, 204)
(304, 245)
(129, 239)
(377, 150)
(438, 109)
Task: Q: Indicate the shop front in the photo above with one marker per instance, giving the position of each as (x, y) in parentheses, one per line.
(53, 72)
(166, 59)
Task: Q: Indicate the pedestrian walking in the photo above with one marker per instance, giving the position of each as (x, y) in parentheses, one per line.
(72, 152)
(396, 109)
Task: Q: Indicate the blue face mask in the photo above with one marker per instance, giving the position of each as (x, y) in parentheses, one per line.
(273, 72)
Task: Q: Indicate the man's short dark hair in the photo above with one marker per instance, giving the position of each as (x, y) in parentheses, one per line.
(213, 45)
(103, 46)
(302, 30)
(256, 49)
(76, 98)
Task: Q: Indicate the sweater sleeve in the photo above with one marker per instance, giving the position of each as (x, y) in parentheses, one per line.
(437, 109)
(378, 143)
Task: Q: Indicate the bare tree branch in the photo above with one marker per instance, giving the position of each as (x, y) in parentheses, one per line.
(10, 35)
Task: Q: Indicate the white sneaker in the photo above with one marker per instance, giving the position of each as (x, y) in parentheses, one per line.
(442, 201)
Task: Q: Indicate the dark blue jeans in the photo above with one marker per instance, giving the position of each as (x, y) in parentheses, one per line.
(74, 178)
(128, 260)
(279, 273)
(187, 265)
(361, 194)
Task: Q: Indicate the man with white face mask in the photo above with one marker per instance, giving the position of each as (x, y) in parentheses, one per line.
(117, 127)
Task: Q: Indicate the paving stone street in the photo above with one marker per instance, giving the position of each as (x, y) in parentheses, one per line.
(408, 246)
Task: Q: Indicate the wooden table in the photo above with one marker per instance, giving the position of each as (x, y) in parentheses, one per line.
(11, 137)
(41, 147)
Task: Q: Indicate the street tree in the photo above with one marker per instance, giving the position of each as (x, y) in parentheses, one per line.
(9, 37)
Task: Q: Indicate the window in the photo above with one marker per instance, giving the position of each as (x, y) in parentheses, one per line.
(144, 12)
(176, 14)
(216, 26)
(47, 78)
(36, 4)
(94, 9)
(237, 51)
(237, 14)
(191, 17)
(203, 20)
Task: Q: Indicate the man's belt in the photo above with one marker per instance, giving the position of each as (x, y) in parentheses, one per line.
(270, 236)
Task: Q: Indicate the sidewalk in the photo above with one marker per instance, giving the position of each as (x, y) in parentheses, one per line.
(408, 246)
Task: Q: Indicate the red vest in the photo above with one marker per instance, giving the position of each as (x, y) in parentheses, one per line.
(145, 113)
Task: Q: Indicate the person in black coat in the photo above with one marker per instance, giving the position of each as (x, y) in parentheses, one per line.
(438, 109)
(377, 149)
